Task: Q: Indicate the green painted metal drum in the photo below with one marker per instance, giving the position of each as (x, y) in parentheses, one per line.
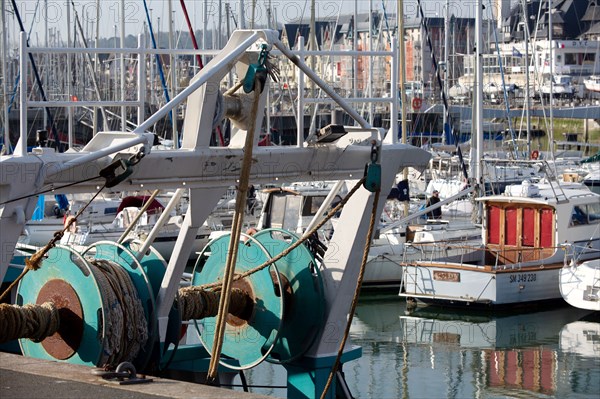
(155, 267)
(66, 279)
(247, 341)
(303, 295)
(289, 300)
(152, 263)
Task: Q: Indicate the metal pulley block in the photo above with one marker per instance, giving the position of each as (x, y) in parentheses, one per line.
(257, 71)
(373, 171)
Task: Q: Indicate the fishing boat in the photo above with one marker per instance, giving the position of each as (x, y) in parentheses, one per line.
(580, 284)
(528, 234)
(282, 309)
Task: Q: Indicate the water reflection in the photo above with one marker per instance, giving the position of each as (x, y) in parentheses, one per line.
(432, 353)
(443, 354)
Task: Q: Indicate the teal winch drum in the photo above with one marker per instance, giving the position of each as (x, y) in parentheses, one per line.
(247, 341)
(288, 299)
(105, 305)
(66, 279)
(304, 300)
(155, 267)
(152, 263)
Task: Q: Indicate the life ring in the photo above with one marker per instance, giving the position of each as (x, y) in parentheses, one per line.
(535, 154)
(417, 103)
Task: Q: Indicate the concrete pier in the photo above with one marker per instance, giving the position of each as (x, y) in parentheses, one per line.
(22, 377)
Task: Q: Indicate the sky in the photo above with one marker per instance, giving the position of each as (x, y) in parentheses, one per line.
(34, 13)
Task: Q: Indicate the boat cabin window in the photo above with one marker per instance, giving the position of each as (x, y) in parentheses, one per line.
(312, 205)
(585, 214)
(284, 212)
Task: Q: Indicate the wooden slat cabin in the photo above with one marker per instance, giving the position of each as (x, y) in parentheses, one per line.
(519, 232)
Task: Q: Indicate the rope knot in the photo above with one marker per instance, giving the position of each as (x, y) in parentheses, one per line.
(34, 263)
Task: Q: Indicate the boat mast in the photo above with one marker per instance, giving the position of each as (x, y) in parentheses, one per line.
(446, 75)
(402, 58)
(527, 95)
(122, 74)
(69, 78)
(97, 72)
(478, 92)
(173, 78)
(241, 16)
(551, 142)
(6, 146)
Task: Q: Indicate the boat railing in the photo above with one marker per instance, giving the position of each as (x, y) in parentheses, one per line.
(449, 251)
(482, 256)
(575, 253)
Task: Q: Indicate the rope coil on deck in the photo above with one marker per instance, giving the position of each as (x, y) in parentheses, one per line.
(126, 327)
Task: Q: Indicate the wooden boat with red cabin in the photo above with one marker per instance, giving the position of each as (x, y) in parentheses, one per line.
(529, 232)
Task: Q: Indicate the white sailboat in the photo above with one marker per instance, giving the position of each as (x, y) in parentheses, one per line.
(580, 284)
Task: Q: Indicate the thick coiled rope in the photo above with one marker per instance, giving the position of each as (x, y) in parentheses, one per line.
(32, 321)
(125, 326)
(195, 303)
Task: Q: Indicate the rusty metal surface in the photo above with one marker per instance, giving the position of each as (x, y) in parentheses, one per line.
(244, 285)
(63, 344)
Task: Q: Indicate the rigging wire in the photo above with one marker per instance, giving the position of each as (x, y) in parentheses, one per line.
(37, 76)
(158, 60)
(444, 99)
(506, 104)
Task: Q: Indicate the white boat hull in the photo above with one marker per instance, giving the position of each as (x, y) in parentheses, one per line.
(580, 285)
(463, 285)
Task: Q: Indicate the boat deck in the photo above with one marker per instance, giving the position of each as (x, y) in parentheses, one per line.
(22, 377)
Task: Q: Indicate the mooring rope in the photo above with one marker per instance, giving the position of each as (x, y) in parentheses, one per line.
(361, 274)
(126, 328)
(32, 321)
(197, 304)
(295, 245)
(236, 228)
(33, 263)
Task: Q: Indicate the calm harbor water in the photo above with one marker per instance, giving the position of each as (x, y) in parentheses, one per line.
(439, 353)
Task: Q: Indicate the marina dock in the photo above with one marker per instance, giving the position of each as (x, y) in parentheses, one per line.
(22, 377)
